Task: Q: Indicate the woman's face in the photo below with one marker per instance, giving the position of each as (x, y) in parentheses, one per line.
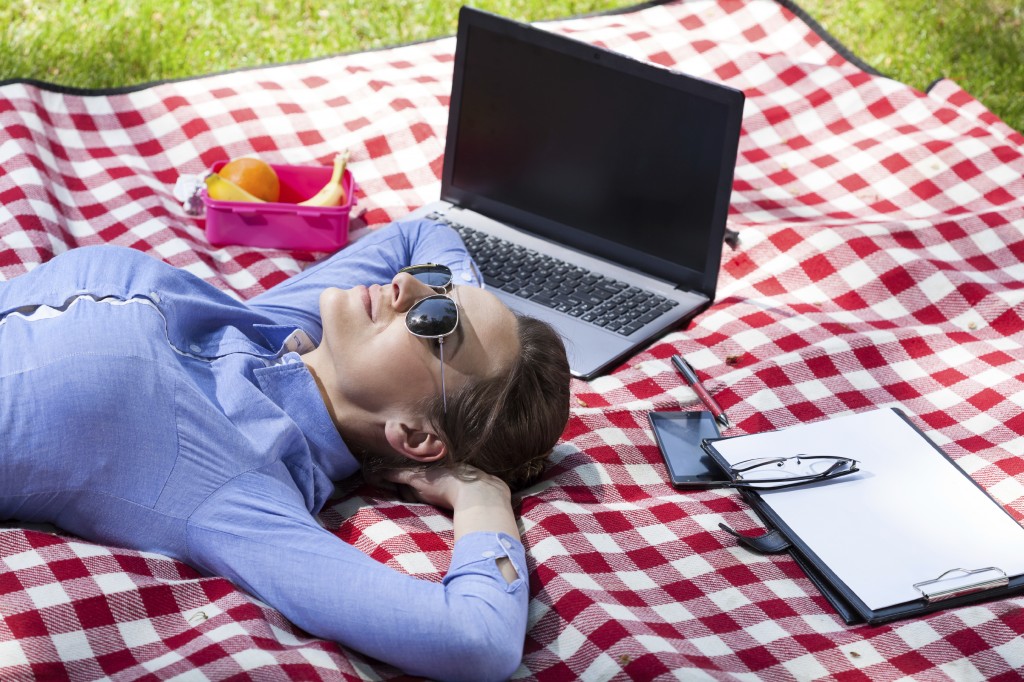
(379, 367)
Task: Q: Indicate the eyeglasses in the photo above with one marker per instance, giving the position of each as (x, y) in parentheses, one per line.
(433, 317)
(773, 473)
(437, 277)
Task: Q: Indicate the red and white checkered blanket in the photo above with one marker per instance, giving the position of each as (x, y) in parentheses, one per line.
(879, 263)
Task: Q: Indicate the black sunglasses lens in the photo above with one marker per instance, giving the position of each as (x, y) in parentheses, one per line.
(434, 276)
(435, 316)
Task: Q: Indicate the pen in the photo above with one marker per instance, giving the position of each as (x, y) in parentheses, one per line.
(690, 377)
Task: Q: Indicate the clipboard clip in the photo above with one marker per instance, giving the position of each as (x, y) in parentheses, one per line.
(957, 582)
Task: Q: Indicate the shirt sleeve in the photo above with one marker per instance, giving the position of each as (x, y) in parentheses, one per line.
(472, 626)
(374, 259)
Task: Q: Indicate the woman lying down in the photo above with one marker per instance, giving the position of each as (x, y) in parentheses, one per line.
(142, 407)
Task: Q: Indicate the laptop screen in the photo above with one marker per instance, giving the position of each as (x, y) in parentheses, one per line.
(622, 159)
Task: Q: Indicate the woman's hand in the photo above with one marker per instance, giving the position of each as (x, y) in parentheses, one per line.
(450, 488)
(479, 501)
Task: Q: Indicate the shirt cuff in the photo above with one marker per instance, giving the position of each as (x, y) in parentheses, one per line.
(478, 552)
(466, 273)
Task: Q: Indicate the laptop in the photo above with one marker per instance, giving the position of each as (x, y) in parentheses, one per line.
(591, 188)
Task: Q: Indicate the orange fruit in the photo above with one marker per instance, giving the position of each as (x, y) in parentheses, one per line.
(254, 176)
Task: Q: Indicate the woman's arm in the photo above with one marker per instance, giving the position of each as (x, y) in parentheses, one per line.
(257, 533)
(479, 502)
(374, 259)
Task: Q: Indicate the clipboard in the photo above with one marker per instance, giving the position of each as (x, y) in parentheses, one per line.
(874, 558)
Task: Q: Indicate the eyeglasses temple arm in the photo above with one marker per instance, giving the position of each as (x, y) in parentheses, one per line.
(444, 394)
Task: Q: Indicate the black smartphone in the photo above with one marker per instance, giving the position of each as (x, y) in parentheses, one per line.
(679, 435)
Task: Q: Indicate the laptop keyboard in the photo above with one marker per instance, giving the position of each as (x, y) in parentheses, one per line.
(599, 300)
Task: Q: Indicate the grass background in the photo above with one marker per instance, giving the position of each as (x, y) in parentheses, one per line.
(112, 43)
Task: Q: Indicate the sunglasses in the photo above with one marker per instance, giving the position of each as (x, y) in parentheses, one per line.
(433, 317)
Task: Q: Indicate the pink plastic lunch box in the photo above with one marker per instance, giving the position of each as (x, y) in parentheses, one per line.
(283, 224)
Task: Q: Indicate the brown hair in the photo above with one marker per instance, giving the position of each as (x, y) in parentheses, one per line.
(505, 425)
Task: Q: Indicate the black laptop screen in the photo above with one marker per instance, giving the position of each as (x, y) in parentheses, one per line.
(592, 149)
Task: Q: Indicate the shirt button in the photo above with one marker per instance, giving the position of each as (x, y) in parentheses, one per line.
(506, 544)
(195, 348)
(466, 277)
(155, 296)
(488, 554)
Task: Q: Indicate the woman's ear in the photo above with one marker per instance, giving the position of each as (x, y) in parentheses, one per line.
(413, 442)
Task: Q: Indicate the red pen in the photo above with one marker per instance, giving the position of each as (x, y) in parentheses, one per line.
(690, 377)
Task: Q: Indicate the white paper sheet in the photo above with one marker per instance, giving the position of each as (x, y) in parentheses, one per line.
(908, 516)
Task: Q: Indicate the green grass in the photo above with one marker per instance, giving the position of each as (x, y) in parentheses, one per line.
(104, 43)
(977, 43)
(110, 43)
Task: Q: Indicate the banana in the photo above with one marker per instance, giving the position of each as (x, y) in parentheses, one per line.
(224, 190)
(333, 193)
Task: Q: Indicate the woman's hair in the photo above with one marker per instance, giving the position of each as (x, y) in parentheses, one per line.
(505, 425)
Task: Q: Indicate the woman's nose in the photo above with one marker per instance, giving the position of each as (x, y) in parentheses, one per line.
(406, 290)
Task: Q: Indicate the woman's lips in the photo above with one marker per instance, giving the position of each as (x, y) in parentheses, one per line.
(364, 294)
(374, 295)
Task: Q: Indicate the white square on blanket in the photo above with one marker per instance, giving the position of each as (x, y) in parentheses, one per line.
(72, 646)
(225, 632)
(1012, 651)
(251, 659)
(917, 634)
(655, 644)
(1003, 175)
(766, 631)
(48, 595)
(568, 643)
(963, 670)
(962, 194)
(729, 599)
(603, 543)
(383, 530)
(138, 633)
(785, 589)
(23, 560)
(416, 563)
(1007, 489)
(861, 654)
(983, 422)
(644, 474)
(823, 623)
(938, 285)
(286, 637)
(712, 645)
(765, 401)
(318, 658)
(657, 535)
(602, 668)
(581, 581)
(1016, 446)
(692, 566)
(112, 583)
(636, 580)
(807, 667)
(547, 548)
(618, 611)
(673, 613)
(12, 654)
(857, 274)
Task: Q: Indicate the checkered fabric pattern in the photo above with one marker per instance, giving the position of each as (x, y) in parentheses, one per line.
(878, 263)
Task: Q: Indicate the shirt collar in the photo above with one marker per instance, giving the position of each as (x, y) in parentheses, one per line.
(291, 386)
(285, 337)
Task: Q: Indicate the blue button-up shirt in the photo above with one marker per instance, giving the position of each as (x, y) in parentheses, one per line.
(142, 407)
